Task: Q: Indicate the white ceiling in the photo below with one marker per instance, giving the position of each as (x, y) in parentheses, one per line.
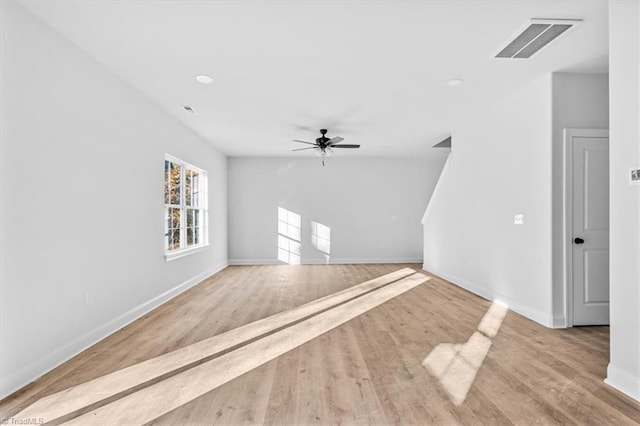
(373, 72)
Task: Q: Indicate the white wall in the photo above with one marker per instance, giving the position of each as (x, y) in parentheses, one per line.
(82, 203)
(579, 101)
(500, 166)
(624, 69)
(373, 206)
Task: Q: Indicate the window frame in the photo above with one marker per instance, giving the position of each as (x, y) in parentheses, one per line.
(203, 207)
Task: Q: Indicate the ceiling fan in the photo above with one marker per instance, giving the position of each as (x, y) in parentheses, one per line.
(324, 146)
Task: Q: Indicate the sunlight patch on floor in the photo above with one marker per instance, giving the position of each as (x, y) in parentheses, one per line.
(456, 365)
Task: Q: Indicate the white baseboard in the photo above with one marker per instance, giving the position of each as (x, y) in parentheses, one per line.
(559, 321)
(346, 261)
(623, 381)
(17, 380)
(337, 261)
(516, 306)
(249, 262)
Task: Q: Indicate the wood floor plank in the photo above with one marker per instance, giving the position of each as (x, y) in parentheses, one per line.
(285, 390)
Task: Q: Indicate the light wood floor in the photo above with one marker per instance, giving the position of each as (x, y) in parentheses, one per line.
(369, 370)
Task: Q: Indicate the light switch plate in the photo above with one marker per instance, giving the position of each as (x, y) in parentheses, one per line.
(634, 176)
(518, 219)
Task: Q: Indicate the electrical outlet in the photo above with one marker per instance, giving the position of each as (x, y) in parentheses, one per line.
(518, 219)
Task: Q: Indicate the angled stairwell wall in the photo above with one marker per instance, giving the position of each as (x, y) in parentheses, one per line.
(500, 166)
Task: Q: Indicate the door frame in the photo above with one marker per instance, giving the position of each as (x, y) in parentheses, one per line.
(567, 227)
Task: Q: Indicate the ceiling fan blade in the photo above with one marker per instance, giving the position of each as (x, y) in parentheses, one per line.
(335, 140)
(296, 140)
(345, 146)
(302, 149)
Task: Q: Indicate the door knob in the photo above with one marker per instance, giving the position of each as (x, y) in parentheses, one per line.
(578, 240)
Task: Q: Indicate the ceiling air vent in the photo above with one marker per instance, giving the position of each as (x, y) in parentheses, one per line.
(537, 34)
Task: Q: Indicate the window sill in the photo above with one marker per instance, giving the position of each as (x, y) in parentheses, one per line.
(177, 254)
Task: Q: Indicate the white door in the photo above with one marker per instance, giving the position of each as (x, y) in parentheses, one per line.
(590, 226)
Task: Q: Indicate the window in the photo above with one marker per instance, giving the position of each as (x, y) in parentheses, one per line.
(185, 208)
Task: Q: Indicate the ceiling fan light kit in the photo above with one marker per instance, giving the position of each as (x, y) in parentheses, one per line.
(324, 146)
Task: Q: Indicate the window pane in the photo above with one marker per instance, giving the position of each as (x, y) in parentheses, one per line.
(167, 167)
(167, 228)
(193, 236)
(172, 228)
(190, 219)
(193, 218)
(174, 241)
(174, 183)
(193, 230)
(195, 190)
(175, 217)
(188, 181)
(192, 188)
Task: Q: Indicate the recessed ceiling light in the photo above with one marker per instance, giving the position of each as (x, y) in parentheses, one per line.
(204, 79)
(455, 82)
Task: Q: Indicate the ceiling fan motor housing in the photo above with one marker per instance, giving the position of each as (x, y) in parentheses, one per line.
(322, 140)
